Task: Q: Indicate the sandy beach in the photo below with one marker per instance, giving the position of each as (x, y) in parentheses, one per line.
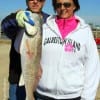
(4, 62)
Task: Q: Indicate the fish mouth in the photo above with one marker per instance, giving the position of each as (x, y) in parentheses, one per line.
(30, 35)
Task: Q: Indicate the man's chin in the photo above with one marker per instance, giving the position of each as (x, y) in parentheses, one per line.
(35, 11)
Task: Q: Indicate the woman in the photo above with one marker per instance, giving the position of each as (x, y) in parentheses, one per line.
(70, 60)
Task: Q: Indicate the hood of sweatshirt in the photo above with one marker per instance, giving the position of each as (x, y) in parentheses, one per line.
(51, 23)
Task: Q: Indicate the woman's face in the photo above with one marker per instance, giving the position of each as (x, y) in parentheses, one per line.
(65, 8)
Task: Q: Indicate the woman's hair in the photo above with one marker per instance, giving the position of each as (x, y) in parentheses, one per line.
(76, 3)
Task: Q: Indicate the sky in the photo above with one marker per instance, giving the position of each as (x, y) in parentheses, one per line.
(89, 9)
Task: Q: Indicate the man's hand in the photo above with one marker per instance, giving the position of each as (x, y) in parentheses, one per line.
(24, 16)
(25, 20)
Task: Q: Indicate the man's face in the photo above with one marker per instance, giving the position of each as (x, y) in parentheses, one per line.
(35, 5)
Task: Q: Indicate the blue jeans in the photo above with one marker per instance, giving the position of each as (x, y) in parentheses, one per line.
(20, 93)
(12, 91)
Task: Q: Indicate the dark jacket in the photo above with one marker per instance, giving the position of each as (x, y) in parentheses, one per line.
(10, 27)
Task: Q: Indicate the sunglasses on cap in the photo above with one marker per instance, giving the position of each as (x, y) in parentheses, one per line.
(65, 4)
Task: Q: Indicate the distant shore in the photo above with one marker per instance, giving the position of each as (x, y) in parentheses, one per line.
(6, 41)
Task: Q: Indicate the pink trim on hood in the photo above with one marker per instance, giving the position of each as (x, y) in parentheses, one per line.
(66, 25)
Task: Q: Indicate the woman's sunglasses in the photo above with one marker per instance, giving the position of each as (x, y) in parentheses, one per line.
(65, 4)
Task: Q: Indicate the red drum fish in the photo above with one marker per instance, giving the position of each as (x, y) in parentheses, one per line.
(30, 50)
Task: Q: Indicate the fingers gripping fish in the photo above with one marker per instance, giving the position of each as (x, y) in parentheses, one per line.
(30, 50)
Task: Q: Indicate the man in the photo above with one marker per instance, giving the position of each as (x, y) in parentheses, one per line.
(10, 28)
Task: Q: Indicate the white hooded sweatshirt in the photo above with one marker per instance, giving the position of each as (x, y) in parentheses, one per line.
(71, 67)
